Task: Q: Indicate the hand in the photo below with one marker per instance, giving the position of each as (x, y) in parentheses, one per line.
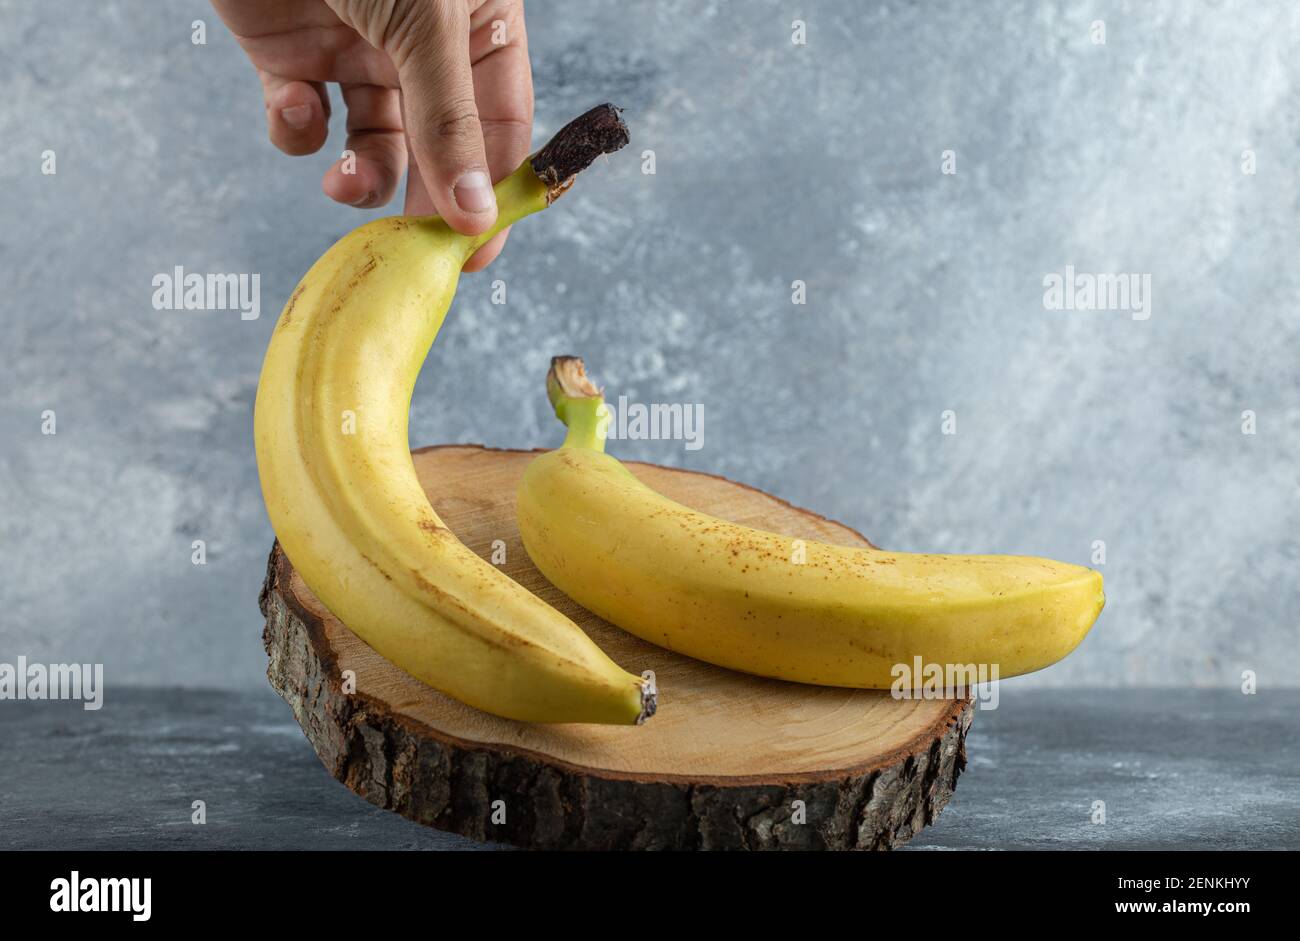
(438, 89)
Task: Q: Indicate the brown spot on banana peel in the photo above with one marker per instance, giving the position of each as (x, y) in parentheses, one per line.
(438, 531)
(343, 295)
(372, 260)
(377, 566)
(287, 316)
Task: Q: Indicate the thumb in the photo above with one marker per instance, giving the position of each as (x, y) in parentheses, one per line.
(441, 116)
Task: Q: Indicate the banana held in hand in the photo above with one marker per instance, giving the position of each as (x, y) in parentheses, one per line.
(342, 492)
(769, 604)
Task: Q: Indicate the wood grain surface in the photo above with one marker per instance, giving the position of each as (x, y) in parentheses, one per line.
(720, 766)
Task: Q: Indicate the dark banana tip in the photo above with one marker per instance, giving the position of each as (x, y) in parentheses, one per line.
(600, 131)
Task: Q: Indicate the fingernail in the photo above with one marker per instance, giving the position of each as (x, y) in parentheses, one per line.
(364, 202)
(297, 116)
(473, 192)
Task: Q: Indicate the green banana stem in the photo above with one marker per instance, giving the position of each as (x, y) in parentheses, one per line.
(578, 403)
(518, 195)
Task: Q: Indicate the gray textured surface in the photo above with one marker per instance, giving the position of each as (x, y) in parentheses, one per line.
(1177, 769)
(775, 163)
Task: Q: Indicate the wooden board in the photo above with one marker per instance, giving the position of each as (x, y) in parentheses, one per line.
(722, 765)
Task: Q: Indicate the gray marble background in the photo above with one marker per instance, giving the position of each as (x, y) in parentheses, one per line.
(774, 162)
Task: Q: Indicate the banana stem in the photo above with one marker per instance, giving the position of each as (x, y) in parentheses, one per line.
(578, 403)
(548, 174)
(520, 194)
(587, 420)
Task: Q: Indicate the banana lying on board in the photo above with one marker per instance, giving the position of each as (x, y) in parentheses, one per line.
(764, 603)
(331, 433)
